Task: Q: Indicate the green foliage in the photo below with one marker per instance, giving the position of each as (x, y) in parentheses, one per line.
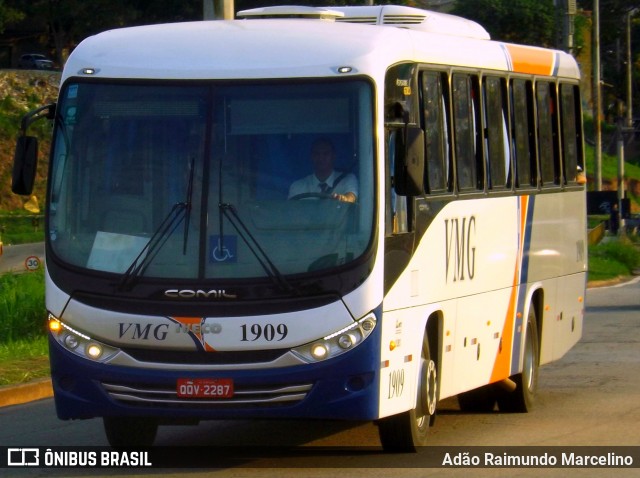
(21, 228)
(8, 15)
(25, 348)
(530, 22)
(610, 165)
(24, 360)
(612, 259)
(20, 97)
(22, 308)
(20, 92)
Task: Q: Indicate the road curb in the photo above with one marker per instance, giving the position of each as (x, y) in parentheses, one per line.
(26, 392)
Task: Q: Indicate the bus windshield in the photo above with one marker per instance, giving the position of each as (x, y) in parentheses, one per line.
(207, 180)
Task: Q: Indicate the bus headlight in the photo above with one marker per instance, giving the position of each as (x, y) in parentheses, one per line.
(337, 343)
(94, 351)
(79, 343)
(319, 351)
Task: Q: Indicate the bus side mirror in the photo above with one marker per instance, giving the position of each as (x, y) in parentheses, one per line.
(25, 162)
(409, 162)
(25, 159)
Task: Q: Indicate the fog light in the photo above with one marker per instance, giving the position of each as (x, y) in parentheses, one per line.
(319, 351)
(346, 341)
(94, 351)
(368, 325)
(71, 341)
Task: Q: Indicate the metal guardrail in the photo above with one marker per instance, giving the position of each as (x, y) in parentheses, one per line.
(596, 234)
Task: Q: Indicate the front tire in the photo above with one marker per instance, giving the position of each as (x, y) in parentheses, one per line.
(408, 430)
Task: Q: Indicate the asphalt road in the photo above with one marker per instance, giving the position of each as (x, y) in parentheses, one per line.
(15, 257)
(588, 398)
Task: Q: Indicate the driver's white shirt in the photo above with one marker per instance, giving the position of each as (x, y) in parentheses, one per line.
(311, 184)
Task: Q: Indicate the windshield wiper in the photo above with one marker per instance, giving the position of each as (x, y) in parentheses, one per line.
(151, 249)
(179, 212)
(229, 211)
(187, 213)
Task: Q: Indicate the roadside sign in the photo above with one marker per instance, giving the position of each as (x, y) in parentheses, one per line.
(32, 263)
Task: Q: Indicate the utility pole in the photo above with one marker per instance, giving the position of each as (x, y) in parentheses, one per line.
(218, 9)
(621, 184)
(207, 10)
(629, 67)
(597, 100)
(568, 10)
(223, 9)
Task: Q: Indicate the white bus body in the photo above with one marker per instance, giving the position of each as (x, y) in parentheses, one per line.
(435, 285)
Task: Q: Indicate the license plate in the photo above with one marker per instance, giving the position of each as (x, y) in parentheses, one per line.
(204, 388)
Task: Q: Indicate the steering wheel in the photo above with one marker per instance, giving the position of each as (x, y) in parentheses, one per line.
(311, 195)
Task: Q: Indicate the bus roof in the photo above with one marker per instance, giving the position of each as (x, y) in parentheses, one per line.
(286, 48)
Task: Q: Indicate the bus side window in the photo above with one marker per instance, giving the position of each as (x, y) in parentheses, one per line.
(497, 136)
(547, 133)
(397, 209)
(571, 141)
(466, 129)
(522, 126)
(434, 115)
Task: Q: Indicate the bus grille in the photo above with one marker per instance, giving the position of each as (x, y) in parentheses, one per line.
(266, 396)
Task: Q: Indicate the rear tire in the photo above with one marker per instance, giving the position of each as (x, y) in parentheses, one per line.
(408, 430)
(522, 399)
(126, 432)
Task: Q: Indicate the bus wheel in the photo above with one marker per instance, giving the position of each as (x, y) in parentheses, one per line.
(521, 400)
(408, 430)
(125, 432)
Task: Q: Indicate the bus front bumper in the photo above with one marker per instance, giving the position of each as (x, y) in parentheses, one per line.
(344, 387)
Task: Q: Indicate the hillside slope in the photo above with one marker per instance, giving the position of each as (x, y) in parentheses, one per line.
(21, 92)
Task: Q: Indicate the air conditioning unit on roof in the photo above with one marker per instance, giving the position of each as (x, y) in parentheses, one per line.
(392, 15)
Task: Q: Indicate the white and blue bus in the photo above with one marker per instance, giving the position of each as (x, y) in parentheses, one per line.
(185, 281)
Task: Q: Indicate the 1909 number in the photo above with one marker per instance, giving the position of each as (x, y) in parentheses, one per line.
(396, 383)
(268, 332)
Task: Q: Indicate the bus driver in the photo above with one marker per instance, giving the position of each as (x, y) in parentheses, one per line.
(324, 179)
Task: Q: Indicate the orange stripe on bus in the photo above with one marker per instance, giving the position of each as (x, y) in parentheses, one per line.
(188, 320)
(502, 364)
(531, 60)
(189, 323)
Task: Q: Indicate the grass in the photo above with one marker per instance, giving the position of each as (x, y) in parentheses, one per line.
(24, 360)
(22, 309)
(609, 260)
(20, 227)
(23, 341)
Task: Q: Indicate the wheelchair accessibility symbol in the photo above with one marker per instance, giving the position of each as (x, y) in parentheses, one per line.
(223, 249)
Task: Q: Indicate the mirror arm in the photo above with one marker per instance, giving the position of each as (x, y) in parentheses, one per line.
(47, 111)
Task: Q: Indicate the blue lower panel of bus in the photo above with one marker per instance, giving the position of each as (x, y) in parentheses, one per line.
(345, 387)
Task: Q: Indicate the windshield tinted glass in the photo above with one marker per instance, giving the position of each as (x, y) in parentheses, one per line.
(217, 181)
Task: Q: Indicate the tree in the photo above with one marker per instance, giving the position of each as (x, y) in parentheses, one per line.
(8, 15)
(68, 22)
(530, 22)
(613, 16)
